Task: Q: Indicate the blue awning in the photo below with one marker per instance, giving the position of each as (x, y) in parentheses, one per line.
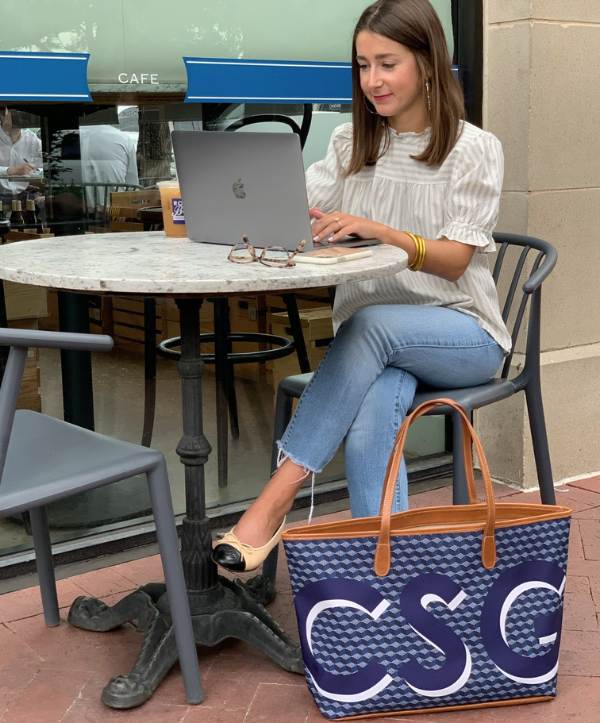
(227, 80)
(44, 76)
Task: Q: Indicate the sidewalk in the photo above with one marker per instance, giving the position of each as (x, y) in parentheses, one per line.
(52, 675)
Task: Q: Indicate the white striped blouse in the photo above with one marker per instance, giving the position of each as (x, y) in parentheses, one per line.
(457, 200)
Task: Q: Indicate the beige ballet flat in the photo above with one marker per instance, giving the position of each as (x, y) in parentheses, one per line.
(237, 556)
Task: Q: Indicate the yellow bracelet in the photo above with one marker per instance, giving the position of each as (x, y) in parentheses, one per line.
(417, 244)
(420, 251)
(418, 264)
(423, 252)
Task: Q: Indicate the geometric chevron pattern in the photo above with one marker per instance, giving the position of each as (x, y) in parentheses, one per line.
(345, 640)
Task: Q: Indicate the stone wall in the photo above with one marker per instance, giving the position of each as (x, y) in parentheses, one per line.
(542, 99)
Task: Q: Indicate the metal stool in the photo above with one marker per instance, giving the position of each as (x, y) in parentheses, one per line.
(224, 360)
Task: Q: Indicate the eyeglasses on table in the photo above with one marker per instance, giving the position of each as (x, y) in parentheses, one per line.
(246, 253)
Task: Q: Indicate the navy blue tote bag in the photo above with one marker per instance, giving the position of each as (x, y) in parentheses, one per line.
(439, 608)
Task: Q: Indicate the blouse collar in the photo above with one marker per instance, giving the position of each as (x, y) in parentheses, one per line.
(411, 134)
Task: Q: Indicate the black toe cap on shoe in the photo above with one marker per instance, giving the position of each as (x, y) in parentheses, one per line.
(228, 557)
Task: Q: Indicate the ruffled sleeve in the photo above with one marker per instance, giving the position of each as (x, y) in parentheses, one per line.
(325, 179)
(473, 201)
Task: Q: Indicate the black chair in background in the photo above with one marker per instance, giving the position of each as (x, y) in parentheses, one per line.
(224, 358)
(522, 264)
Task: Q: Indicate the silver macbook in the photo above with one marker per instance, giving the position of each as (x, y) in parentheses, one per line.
(244, 183)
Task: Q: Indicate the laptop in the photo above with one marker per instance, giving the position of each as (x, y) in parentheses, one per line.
(245, 183)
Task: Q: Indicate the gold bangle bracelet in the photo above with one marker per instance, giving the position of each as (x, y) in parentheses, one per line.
(420, 251)
(423, 252)
(413, 238)
(418, 265)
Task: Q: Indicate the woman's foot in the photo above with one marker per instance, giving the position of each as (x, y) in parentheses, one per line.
(246, 546)
(237, 556)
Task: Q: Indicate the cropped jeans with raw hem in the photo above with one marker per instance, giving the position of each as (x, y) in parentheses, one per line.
(366, 383)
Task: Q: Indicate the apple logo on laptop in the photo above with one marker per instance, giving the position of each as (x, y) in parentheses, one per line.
(238, 189)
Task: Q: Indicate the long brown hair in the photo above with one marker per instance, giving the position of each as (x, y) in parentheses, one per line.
(416, 25)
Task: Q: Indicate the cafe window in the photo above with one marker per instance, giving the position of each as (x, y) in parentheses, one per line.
(97, 170)
(100, 163)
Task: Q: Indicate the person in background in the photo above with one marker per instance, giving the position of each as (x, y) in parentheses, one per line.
(410, 171)
(108, 156)
(20, 153)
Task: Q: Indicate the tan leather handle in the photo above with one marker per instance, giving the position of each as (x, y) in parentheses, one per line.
(466, 451)
(488, 547)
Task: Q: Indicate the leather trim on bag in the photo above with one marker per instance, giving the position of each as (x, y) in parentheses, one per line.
(432, 520)
(456, 518)
(449, 708)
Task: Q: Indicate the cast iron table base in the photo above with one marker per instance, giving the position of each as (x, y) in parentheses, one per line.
(225, 611)
(220, 608)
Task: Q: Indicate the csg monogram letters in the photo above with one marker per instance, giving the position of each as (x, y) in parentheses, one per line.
(414, 599)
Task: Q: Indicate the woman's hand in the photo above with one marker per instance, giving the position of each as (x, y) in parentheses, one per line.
(444, 257)
(331, 227)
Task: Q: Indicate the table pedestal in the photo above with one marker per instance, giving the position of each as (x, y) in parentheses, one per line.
(220, 608)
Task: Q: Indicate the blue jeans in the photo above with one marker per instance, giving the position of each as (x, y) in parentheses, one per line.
(366, 383)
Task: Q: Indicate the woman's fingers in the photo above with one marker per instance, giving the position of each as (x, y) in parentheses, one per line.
(328, 233)
(346, 230)
(329, 225)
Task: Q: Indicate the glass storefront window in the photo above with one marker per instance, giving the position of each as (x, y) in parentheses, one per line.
(89, 156)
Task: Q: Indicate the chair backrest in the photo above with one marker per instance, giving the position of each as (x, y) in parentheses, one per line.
(19, 341)
(522, 264)
(9, 392)
(301, 131)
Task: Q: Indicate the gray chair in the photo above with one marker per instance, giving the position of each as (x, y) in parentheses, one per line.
(522, 262)
(43, 459)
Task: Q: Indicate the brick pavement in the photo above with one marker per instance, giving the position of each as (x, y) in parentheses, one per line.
(55, 675)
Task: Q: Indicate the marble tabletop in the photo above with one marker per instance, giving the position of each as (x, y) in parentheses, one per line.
(150, 263)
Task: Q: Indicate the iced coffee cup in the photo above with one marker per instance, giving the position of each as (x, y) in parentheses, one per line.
(172, 208)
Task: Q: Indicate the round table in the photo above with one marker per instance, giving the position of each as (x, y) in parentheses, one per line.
(150, 264)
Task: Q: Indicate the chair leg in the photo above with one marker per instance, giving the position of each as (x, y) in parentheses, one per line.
(149, 370)
(45, 568)
(294, 317)
(269, 568)
(221, 347)
(541, 451)
(234, 424)
(460, 495)
(179, 607)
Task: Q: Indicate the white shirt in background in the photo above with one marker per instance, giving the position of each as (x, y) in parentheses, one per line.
(108, 156)
(27, 149)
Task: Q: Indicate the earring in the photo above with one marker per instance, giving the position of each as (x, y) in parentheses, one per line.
(366, 102)
(428, 95)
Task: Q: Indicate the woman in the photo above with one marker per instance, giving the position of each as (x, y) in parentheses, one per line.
(407, 161)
